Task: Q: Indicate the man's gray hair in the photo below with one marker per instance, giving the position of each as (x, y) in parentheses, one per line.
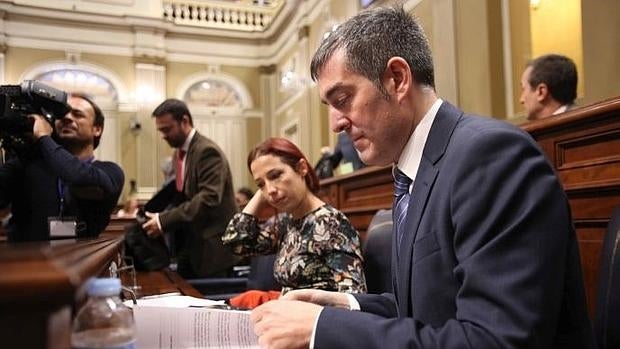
(371, 38)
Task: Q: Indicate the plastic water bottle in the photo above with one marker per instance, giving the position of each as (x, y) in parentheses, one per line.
(104, 321)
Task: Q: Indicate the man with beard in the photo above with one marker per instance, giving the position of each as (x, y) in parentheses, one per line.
(60, 190)
(203, 177)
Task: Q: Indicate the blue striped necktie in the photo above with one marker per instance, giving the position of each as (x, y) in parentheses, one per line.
(401, 202)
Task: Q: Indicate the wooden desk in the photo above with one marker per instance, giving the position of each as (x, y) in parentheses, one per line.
(165, 281)
(583, 145)
(41, 283)
(360, 194)
(118, 225)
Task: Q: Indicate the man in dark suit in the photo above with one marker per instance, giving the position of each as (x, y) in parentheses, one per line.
(203, 176)
(485, 255)
(345, 152)
(548, 86)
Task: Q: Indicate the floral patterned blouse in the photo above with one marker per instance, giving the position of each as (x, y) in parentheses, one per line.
(321, 250)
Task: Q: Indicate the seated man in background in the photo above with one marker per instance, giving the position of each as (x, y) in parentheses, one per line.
(345, 152)
(61, 190)
(548, 86)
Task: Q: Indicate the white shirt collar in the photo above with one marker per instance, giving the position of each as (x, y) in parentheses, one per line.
(409, 160)
(561, 109)
(188, 140)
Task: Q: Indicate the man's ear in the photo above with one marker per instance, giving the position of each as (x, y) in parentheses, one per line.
(97, 131)
(185, 124)
(397, 78)
(542, 92)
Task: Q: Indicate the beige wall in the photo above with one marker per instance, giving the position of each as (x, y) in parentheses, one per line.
(249, 77)
(601, 50)
(473, 56)
(129, 157)
(318, 110)
(424, 12)
(520, 46)
(556, 28)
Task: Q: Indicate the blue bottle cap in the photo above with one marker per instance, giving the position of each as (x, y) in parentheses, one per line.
(104, 287)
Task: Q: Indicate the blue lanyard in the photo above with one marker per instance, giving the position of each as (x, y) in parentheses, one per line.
(61, 189)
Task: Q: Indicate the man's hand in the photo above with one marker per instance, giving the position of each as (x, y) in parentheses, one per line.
(283, 324)
(41, 126)
(151, 227)
(320, 297)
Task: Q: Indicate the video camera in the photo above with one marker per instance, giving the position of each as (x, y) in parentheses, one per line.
(19, 101)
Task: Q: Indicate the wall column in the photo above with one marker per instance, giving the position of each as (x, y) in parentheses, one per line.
(268, 87)
(308, 140)
(150, 91)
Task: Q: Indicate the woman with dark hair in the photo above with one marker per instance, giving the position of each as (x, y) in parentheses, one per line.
(316, 245)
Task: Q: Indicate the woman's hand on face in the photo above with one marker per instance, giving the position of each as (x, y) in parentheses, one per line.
(259, 207)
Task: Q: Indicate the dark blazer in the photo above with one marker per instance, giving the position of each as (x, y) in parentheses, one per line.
(490, 259)
(210, 206)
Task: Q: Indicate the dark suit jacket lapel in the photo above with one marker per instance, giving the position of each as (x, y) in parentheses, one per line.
(436, 144)
(190, 161)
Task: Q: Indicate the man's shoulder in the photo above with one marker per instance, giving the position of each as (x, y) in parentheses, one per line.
(201, 142)
(204, 145)
(486, 124)
(109, 167)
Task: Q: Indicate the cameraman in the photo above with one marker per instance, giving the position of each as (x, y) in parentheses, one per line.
(61, 190)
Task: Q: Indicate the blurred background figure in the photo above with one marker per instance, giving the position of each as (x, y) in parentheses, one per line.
(130, 208)
(548, 86)
(167, 169)
(346, 155)
(324, 168)
(242, 196)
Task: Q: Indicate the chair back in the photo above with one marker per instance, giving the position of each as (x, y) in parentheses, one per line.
(607, 319)
(261, 274)
(378, 253)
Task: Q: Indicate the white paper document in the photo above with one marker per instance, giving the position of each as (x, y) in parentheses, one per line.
(181, 328)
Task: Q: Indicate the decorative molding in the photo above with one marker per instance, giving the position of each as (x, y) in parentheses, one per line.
(47, 66)
(230, 16)
(73, 57)
(290, 130)
(238, 86)
(267, 69)
(148, 59)
(123, 35)
(303, 32)
(290, 101)
(113, 2)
